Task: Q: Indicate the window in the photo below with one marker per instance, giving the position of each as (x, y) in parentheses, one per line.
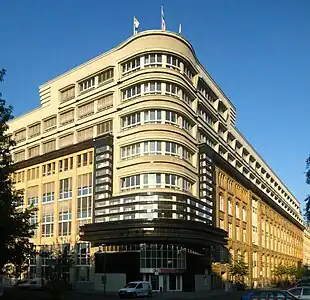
(85, 134)
(48, 192)
(33, 173)
(237, 211)
(172, 89)
(67, 117)
(84, 207)
(221, 224)
(206, 91)
(84, 159)
(34, 220)
(85, 184)
(186, 125)
(65, 189)
(87, 84)
(20, 136)
(171, 118)
(151, 180)
(171, 181)
(49, 146)
(50, 123)
(105, 102)
(19, 156)
(86, 110)
(296, 292)
(153, 87)
(34, 151)
(67, 94)
(66, 140)
(171, 149)
(32, 195)
(130, 151)
(48, 169)
(237, 233)
(131, 182)
(153, 116)
(105, 76)
(131, 66)
(152, 148)
(173, 62)
(153, 60)
(186, 185)
(229, 230)
(205, 116)
(188, 72)
(48, 224)
(64, 225)
(221, 200)
(104, 127)
(66, 164)
(229, 206)
(186, 154)
(244, 234)
(34, 130)
(244, 213)
(131, 92)
(131, 120)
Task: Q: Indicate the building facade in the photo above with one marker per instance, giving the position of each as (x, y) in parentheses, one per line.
(135, 154)
(306, 247)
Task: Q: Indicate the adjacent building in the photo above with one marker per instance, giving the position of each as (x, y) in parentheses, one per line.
(134, 156)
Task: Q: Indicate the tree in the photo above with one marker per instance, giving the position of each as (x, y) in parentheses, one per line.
(239, 269)
(15, 226)
(307, 200)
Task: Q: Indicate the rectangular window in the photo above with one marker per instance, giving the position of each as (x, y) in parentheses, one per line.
(186, 154)
(173, 62)
(49, 146)
(188, 72)
(67, 94)
(84, 159)
(66, 164)
(20, 136)
(186, 185)
(64, 225)
(105, 76)
(85, 184)
(48, 192)
(171, 181)
(153, 116)
(131, 92)
(86, 110)
(237, 233)
(67, 117)
(19, 156)
(130, 151)
(172, 89)
(34, 151)
(48, 169)
(33, 195)
(85, 134)
(66, 140)
(48, 224)
(153, 60)
(131, 66)
(229, 230)
(19, 177)
(105, 102)
(186, 125)
(151, 180)
(152, 148)
(131, 120)
(171, 118)
(33, 173)
(65, 189)
(84, 207)
(50, 123)
(153, 87)
(171, 149)
(104, 127)
(87, 84)
(34, 130)
(131, 182)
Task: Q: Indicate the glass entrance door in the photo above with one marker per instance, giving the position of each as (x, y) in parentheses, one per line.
(175, 282)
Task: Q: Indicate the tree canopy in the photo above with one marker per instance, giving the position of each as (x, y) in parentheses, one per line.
(239, 269)
(15, 224)
(307, 208)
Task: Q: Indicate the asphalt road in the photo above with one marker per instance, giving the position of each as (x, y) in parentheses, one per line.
(16, 294)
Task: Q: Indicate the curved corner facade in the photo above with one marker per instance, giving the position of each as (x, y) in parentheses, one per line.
(133, 146)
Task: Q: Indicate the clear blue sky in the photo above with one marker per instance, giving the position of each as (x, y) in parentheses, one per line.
(258, 51)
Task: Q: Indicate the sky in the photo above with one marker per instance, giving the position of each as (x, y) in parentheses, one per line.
(258, 51)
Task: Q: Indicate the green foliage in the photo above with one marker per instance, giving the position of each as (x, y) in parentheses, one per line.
(239, 269)
(307, 200)
(288, 272)
(15, 227)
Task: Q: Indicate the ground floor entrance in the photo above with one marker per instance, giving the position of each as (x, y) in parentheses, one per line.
(165, 282)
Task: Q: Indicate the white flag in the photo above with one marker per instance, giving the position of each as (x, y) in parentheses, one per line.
(180, 28)
(163, 22)
(135, 25)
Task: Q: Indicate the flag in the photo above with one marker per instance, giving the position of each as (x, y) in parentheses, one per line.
(180, 28)
(135, 25)
(163, 22)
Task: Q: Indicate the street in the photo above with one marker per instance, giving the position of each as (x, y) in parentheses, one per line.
(17, 294)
